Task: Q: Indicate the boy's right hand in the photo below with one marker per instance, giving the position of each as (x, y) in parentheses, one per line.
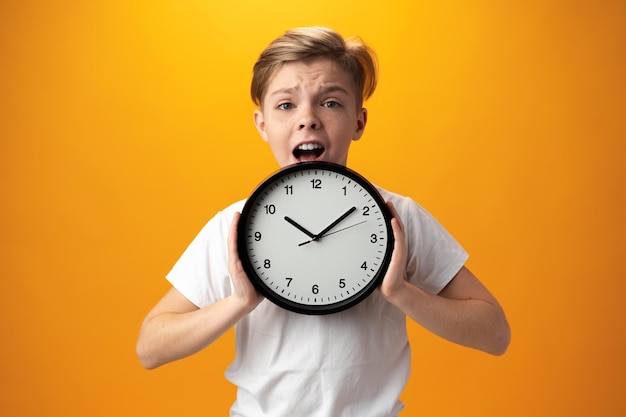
(244, 290)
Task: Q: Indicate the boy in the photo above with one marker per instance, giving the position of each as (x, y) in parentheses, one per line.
(310, 85)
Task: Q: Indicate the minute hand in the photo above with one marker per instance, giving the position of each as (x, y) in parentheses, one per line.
(335, 223)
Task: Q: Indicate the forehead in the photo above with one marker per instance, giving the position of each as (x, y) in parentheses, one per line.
(320, 73)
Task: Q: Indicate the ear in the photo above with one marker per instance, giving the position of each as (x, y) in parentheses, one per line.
(259, 122)
(360, 124)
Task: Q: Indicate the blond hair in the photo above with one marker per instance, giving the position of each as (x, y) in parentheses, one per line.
(351, 55)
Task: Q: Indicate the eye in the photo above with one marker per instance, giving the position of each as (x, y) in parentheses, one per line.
(331, 104)
(285, 106)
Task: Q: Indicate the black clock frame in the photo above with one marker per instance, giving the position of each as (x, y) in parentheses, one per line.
(259, 284)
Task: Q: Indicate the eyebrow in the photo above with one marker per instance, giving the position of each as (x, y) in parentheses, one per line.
(325, 90)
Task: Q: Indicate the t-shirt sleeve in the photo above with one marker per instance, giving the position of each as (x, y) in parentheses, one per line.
(201, 273)
(433, 256)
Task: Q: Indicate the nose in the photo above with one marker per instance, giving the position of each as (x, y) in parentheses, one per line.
(308, 119)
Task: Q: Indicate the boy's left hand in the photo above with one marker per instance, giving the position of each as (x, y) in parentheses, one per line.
(395, 279)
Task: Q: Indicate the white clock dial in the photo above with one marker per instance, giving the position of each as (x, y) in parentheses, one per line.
(315, 238)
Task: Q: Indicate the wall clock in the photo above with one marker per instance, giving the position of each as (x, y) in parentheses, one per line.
(315, 238)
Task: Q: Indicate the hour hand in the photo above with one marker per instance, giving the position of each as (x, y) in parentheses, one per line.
(302, 229)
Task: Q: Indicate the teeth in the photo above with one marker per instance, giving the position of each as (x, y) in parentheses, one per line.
(309, 146)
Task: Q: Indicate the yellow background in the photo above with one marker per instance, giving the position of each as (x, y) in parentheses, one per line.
(126, 125)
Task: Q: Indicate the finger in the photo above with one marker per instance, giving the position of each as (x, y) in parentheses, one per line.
(398, 256)
(395, 215)
(398, 235)
(233, 254)
(235, 267)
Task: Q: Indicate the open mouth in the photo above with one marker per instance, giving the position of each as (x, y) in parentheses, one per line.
(308, 151)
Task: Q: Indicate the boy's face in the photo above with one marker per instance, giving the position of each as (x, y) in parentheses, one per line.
(309, 112)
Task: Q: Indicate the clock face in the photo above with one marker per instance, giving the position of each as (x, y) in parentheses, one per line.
(315, 238)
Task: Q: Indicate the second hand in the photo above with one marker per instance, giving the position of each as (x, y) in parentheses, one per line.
(332, 233)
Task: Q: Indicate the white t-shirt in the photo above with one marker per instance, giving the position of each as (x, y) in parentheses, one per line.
(352, 363)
